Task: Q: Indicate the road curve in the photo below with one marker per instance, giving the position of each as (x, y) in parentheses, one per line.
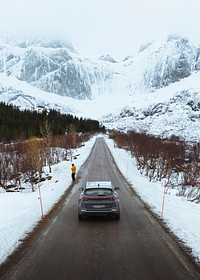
(134, 248)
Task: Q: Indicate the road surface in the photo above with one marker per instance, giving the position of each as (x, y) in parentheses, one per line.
(136, 247)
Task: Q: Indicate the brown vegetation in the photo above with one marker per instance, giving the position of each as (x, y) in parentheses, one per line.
(172, 159)
(23, 161)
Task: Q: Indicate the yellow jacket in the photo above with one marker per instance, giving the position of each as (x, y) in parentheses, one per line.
(73, 169)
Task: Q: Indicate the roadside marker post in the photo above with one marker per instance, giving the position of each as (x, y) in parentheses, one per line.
(40, 198)
(163, 200)
(126, 170)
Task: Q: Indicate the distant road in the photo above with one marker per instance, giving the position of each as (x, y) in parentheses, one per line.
(134, 248)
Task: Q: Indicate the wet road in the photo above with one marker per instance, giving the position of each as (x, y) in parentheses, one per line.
(134, 248)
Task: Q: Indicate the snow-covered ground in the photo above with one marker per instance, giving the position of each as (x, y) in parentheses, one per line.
(20, 212)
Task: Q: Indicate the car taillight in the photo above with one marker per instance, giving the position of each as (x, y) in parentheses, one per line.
(83, 198)
(113, 197)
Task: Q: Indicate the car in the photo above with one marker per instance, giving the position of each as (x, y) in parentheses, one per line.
(99, 198)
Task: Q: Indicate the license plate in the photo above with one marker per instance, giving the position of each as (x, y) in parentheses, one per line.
(98, 206)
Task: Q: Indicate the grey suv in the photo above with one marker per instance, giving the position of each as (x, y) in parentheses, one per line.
(99, 198)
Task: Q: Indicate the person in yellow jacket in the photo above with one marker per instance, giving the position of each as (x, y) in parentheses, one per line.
(73, 169)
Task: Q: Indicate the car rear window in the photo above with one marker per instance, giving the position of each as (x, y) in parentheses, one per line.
(98, 192)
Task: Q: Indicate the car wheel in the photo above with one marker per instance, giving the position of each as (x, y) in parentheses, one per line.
(117, 217)
(80, 217)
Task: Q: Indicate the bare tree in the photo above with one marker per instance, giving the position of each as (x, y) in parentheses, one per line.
(72, 133)
(34, 158)
(46, 131)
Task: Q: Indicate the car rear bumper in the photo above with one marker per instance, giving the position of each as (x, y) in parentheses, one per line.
(110, 212)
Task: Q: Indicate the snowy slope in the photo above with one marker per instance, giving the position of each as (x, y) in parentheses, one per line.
(25, 96)
(173, 110)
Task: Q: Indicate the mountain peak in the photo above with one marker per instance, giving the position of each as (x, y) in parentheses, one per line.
(108, 58)
(24, 42)
(170, 39)
(175, 37)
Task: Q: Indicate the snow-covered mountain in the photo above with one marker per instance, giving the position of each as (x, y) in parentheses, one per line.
(159, 64)
(54, 66)
(170, 111)
(155, 90)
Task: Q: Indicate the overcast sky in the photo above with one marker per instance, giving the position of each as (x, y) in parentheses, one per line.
(96, 27)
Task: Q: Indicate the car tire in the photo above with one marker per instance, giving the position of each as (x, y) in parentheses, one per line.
(80, 217)
(117, 217)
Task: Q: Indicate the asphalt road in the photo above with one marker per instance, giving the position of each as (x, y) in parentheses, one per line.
(136, 247)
